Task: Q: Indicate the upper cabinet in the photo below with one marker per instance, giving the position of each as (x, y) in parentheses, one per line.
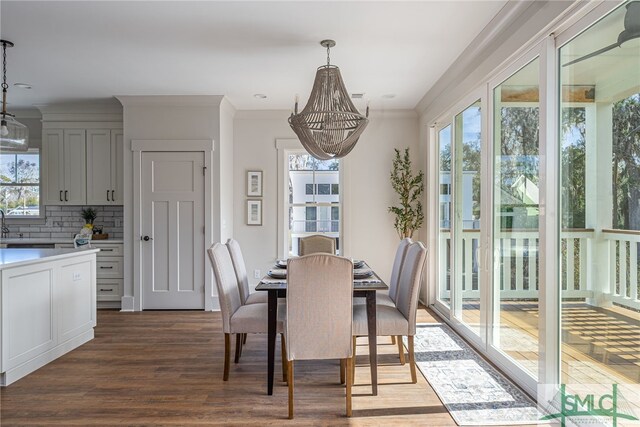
(104, 167)
(82, 155)
(64, 166)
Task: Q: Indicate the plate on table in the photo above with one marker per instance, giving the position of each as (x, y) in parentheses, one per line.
(362, 273)
(358, 263)
(281, 263)
(278, 273)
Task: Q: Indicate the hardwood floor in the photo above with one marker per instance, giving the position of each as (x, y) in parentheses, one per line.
(165, 368)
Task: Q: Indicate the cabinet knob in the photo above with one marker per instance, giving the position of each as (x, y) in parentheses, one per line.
(61, 195)
(66, 195)
(108, 196)
(146, 238)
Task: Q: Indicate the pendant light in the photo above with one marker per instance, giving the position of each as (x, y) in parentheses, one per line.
(329, 125)
(14, 136)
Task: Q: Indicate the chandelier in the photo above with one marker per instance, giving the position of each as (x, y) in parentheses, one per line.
(14, 136)
(329, 125)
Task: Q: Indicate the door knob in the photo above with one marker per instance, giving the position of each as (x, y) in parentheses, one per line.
(146, 238)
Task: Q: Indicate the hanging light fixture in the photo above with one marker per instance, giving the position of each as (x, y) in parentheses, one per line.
(14, 136)
(329, 125)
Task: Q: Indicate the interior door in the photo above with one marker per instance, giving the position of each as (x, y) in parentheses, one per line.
(172, 227)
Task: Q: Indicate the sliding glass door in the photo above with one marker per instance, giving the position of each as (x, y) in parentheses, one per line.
(466, 214)
(516, 194)
(444, 226)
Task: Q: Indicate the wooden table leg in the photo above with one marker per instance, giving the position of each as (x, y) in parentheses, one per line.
(373, 341)
(271, 338)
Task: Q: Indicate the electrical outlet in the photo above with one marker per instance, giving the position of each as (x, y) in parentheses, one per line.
(76, 276)
(256, 274)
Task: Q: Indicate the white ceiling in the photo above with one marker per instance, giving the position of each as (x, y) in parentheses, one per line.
(90, 50)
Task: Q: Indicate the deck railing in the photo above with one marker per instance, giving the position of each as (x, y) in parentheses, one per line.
(519, 265)
(623, 272)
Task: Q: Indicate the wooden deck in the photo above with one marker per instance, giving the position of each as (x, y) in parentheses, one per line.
(598, 344)
(165, 368)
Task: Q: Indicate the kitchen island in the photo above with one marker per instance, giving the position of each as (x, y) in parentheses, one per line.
(47, 306)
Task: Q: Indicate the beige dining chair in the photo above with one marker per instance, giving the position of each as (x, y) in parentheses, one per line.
(319, 304)
(398, 320)
(389, 298)
(237, 319)
(317, 244)
(241, 274)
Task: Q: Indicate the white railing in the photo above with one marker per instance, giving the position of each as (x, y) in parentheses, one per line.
(623, 272)
(519, 265)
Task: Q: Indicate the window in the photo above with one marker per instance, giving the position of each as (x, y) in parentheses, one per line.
(313, 200)
(311, 215)
(20, 183)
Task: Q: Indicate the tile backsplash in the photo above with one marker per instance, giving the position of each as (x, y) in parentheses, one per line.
(65, 221)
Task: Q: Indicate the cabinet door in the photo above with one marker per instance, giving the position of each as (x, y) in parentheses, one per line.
(53, 167)
(99, 167)
(75, 176)
(117, 171)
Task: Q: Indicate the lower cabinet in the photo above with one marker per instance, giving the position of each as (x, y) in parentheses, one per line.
(109, 272)
(47, 308)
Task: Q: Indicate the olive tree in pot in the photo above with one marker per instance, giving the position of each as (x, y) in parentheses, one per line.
(409, 215)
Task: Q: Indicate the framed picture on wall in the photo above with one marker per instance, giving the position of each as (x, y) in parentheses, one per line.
(254, 212)
(254, 184)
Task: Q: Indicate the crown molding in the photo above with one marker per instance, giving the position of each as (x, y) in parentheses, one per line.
(172, 100)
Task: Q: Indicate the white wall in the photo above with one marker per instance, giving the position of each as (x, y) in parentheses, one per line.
(368, 227)
(171, 118)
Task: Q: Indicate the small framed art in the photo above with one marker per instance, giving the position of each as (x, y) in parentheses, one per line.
(254, 212)
(254, 184)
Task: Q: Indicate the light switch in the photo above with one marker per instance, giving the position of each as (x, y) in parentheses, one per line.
(76, 276)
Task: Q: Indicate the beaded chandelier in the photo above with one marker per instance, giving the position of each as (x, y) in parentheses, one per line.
(329, 125)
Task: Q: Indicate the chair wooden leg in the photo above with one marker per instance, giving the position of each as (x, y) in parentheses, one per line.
(412, 360)
(393, 339)
(342, 369)
(349, 362)
(353, 363)
(238, 348)
(290, 377)
(244, 338)
(283, 349)
(227, 355)
(401, 349)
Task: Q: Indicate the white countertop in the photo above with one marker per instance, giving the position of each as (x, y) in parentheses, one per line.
(37, 240)
(19, 257)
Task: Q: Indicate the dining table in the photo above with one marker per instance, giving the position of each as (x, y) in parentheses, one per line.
(362, 287)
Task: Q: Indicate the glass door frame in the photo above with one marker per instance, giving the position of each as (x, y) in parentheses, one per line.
(548, 338)
(453, 313)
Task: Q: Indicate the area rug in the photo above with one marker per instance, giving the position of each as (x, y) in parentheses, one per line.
(473, 391)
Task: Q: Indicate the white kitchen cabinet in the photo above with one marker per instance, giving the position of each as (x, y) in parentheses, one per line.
(104, 167)
(109, 271)
(47, 307)
(64, 166)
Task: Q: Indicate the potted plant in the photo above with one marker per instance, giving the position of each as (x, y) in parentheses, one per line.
(89, 215)
(409, 187)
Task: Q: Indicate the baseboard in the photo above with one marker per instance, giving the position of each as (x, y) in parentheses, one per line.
(127, 304)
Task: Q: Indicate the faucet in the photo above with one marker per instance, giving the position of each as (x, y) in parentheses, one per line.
(5, 230)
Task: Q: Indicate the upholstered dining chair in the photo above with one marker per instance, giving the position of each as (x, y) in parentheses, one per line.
(317, 244)
(398, 320)
(319, 314)
(237, 319)
(389, 298)
(241, 274)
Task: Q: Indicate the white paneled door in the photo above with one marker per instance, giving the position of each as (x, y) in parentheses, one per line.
(172, 230)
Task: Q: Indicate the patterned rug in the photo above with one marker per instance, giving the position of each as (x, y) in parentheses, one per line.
(472, 390)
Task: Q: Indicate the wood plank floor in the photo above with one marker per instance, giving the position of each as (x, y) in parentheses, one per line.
(165, 368)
